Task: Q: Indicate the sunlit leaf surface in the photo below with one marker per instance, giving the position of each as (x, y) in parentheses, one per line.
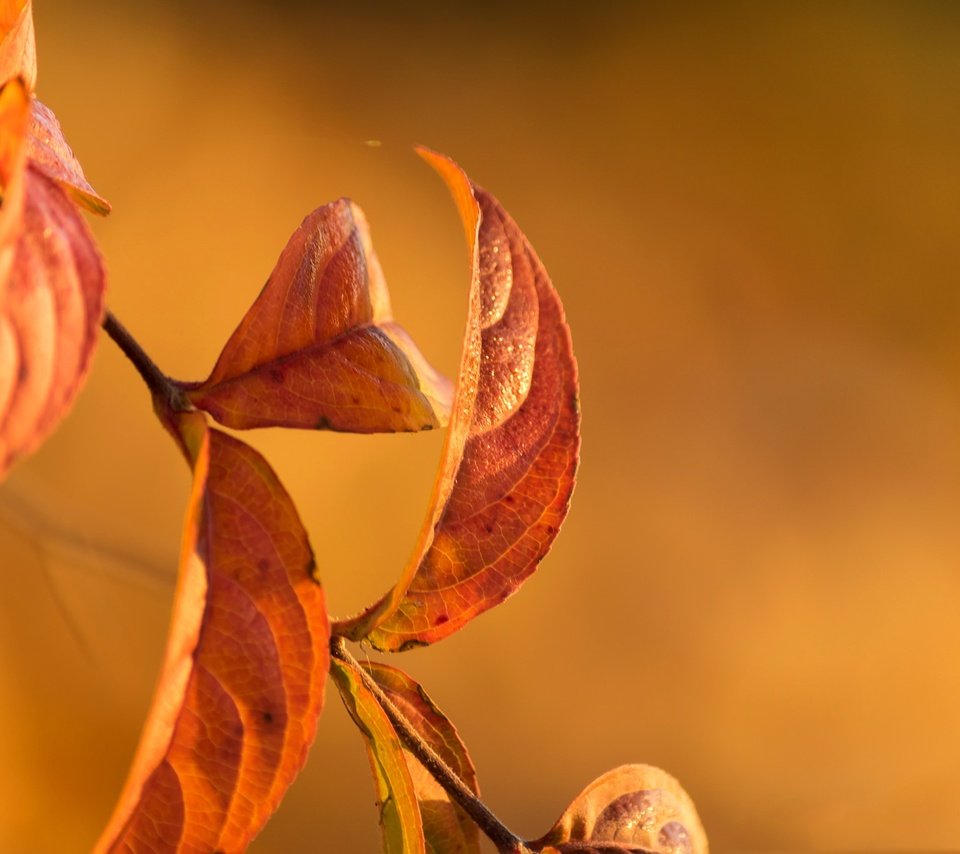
(508, 464)
(400, 823)
(18, 52)
(446, 827)
(51, 291)
(319, 349)
(633, 808)
(242, 684)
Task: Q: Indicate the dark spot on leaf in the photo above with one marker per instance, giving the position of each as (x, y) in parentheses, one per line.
(397, 409)
(263, 564)
(23, 372)
(268, 717)
(413, 643)
(673, 837)
(323, 423)
(551, 529)
(356, 401)
(489, 529)
(427, 427)
(509, 499)
(276, 375)
(443, 618)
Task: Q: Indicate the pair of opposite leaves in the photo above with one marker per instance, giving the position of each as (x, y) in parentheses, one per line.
(242, 683)
(229, 727)
(223, 755)
(243, 679)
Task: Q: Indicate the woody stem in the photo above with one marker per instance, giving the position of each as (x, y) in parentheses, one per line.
(499, 834)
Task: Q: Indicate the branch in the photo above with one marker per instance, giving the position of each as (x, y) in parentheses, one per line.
(166, 395)
(499, 834)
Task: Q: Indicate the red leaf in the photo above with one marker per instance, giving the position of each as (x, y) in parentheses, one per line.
(508, 464)
(633, 808)
(18, 52)
(318, 348)
(51, 292)
(447, 829)
(242, 683)
(47, 150)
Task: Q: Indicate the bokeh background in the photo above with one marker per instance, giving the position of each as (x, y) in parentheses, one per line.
(751, 212)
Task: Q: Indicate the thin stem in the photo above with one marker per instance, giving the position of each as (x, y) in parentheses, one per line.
(499, 834)
(164, 390)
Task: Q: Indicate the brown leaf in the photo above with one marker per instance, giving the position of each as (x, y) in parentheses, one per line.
(52, 281)
(242, 683)
(446, 827)
(508, 465)
(401, 826)
(318, 349)
(18, 52)
(634, 808)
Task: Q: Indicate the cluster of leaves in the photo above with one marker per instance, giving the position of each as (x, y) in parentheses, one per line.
(251, 644)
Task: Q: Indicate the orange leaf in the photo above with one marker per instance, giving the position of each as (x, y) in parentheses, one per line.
(633, 808)
(18, 52)
(52, 281)
(447, 829)
(508, 465)
(242, 683)
(401, 827)
(47, 150)
(318, 348)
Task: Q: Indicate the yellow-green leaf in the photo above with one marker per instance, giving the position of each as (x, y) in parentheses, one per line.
(400, 823)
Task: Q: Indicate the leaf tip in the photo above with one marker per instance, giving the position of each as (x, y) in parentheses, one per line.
(460, 186)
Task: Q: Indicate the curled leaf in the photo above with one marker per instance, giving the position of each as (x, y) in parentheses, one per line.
(52, 281)
(242, 683)
(633, 808)
(447, 829)
(18, 51)
(319, 349)
(47, 151)
(508, 465)
(400, 823)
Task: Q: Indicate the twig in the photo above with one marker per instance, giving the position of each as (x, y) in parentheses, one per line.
(165, 391)
(499, 834)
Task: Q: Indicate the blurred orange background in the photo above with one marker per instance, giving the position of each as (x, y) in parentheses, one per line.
(750, 211)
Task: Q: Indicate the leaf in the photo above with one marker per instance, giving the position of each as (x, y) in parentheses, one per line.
(507, 468)
(18, 52)
(52, 281)
(47, 151)
(634, 808)
(400, 823)
(318, 349)
(242, 683)
(447, 829)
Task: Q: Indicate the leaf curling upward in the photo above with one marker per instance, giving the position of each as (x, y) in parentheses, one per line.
(508, 464)
(319, 348)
